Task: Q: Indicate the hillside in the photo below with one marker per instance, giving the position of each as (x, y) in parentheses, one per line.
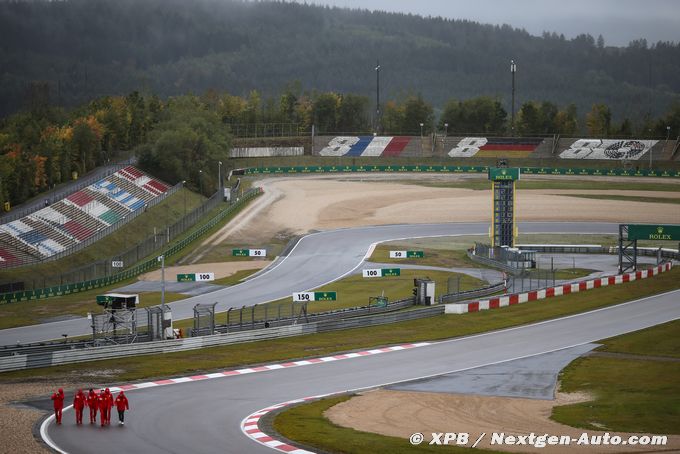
(89, 48)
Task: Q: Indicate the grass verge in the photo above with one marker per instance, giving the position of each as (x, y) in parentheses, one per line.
(73, 305)
(632, 394)
(307, 424)
(434, 328)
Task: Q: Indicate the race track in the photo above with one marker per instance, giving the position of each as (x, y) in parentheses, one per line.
(317, 259)
(205, 416)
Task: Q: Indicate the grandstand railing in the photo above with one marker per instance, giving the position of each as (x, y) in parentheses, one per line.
(72, 187)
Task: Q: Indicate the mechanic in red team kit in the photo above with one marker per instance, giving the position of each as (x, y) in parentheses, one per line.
(122, 405)
(103, 405)
(109, 404)
(92, 403)
(79, 404)
(58, 399)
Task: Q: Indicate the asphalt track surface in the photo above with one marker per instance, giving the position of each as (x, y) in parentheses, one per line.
(205, 416)
(317, 259)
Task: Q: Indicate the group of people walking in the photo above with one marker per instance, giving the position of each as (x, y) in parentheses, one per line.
(102, 403)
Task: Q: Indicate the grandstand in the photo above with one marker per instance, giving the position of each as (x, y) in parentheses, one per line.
(366, 146)
(61, 227)
(608, 149)
(491, 147)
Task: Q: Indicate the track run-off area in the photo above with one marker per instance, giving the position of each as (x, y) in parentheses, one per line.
(317, 259)
(204, 415)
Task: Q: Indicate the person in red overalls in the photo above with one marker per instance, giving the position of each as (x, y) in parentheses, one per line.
(92, 403)
(58, 399)
(79, 403)
(122, 405)
(102, 404)
(109, 405)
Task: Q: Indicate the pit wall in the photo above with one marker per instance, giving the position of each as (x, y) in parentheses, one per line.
(559, 290)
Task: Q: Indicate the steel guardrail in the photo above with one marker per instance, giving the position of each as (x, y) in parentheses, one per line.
(47, 359)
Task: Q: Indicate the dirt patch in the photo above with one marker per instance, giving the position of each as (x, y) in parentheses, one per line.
(17, 420)
(302, 205)
(400, 414)
(221, 269)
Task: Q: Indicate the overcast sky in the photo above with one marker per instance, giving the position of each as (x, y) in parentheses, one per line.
(619, 21)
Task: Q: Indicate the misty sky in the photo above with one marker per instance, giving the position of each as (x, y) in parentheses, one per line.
(619, 21)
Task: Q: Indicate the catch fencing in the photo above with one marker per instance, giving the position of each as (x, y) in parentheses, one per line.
(79, 355)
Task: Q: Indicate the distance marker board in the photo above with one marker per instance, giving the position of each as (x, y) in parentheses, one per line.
(196, 277)
(406, 254)
(314, 296)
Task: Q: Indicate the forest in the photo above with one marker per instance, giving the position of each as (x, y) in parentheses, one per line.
(177, 138)
(81, 50)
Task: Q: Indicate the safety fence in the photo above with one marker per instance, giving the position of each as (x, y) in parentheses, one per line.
(460, 169)
(468, 294)
(267, 315)
(79, 355)
(146, 265)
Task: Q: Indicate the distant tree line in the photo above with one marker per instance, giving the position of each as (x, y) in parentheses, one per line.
(83, 49)
(180, 138)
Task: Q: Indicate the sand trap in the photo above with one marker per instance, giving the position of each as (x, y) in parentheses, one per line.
(305, 204)
(221, 269)
(400, 414)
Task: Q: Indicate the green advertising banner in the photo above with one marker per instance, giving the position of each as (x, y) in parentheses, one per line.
(388, 272)
(503, 174)
(325, 296)
(463, 169)
(240, 252)
(415, 254)
(653, 232)
(186, 277)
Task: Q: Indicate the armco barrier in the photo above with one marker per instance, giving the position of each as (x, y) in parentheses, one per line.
(147, 265)
(46, 359)
(460, 169)
(559, 290)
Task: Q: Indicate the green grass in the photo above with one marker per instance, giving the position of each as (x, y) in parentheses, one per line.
(76, 305)
(631, 394)
(307, 424)
(433, 328)
(627, 198)
(447, 258)
(235, 278)
(661, 340)
(539, 182)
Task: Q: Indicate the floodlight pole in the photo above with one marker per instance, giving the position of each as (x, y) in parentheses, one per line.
(513, 69)
(219, 175)
(377, 97)
(161, 258)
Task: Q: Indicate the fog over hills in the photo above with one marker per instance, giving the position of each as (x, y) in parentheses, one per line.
(89, 48)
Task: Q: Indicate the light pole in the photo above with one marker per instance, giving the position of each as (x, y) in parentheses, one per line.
(219, 175)
(161, 258)
(513, 69)
(184, 190)
(421, 131)
(649, 132)
(377, 97)
(446, 130)
(200, 181)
